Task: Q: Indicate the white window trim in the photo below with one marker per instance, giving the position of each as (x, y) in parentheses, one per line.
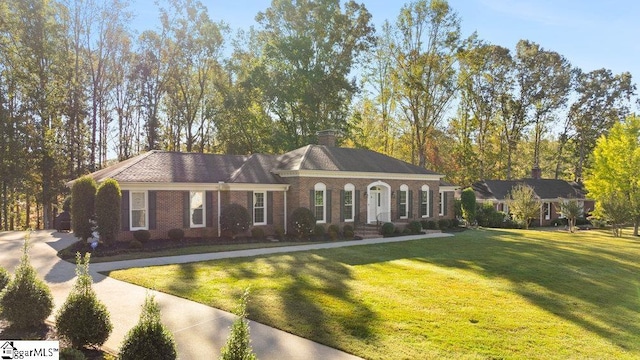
(320, 187)
(352, 189)
(264, 208)
(425, 190)
(404, 189)
(547, 213)
(146, 210)
(441, 212)
(204, 210)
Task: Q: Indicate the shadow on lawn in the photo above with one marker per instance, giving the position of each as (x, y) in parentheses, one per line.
(307, 281)
(570, 274)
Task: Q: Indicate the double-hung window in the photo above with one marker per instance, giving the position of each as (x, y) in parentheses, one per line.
(196, 209)
(138, 210)
(259, 208)
(349, 190)
(320, 191)
(546, 207)
(441, 204)
(403, 202)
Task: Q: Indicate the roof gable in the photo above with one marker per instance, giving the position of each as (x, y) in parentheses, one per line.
(329, 158)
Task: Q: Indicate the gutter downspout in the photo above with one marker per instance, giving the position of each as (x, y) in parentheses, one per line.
(285, 210)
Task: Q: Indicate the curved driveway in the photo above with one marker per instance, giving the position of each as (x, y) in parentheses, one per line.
(200, 331)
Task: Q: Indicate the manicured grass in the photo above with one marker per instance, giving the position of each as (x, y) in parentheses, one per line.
(481, 294)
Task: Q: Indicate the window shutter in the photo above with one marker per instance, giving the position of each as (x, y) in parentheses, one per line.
(312, 201)
(270, 207)
(124, 210)
(209, 205)
(410, 204)
(250, 205)
(420, 203)
(186, 209)
(430, 205)
(398, 204)
(356, 204)
(327, 205)
(152, 210)
(341, 205)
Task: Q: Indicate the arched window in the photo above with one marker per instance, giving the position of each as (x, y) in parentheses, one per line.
(320, 201)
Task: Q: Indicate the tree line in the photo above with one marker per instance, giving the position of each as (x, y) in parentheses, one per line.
(79, 89)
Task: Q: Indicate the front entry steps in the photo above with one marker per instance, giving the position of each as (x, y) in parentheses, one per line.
(372, 231)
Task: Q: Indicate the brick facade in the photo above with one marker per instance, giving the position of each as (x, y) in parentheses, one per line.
(170, 206)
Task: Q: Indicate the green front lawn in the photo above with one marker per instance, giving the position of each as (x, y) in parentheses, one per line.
(480, 294)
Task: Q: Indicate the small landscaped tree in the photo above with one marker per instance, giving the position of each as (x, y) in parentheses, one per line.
(523, 204)
(108, 201)
(26, 301)
(83, 319)
(83, 196)
(149, 339)
(468, 205)
(303, 222)
(234, 219)
(571, 210)
(614, 209)
(238, 346)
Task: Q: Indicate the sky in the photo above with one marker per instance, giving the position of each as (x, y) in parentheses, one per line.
(591, 34)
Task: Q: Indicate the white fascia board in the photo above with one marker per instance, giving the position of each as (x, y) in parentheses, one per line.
(449, 188)
(203, 186)
(357, 175)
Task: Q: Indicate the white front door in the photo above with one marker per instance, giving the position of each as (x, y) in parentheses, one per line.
(377, 206)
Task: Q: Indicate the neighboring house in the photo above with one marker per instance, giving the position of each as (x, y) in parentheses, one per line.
(550, 193)
(164, 190)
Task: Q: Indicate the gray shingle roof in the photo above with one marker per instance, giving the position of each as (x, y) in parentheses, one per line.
(543, 188)
(319, 157)
(175, 167)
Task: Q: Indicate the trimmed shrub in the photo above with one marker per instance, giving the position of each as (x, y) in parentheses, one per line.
(26, 301)
(444, 224)
(238, 345)
(83, 320)
(348, 232)
(334, 232)
(488, 216)
(318, 230)
(149, 339)
(83, 197)
(406, 231)
(432, 225)
(415, 227)
(257, 233)
(5, 277)
(234, 219)
(455, 222)
(387, 229)
(176, 234)
(135, 245)
(142, 235)
(66, 204)
(302, 223)
(468, 205)
(279, 233)
(71, 354)
(424, 223)
(108, 201)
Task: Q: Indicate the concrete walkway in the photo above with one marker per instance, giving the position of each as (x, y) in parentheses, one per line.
(200, 331)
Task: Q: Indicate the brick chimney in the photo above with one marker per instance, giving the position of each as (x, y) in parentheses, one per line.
(327, 137)
(536, 172)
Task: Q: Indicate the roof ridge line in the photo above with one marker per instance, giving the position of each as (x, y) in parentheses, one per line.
(303, 158)
(142, 157)
(237, 171)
